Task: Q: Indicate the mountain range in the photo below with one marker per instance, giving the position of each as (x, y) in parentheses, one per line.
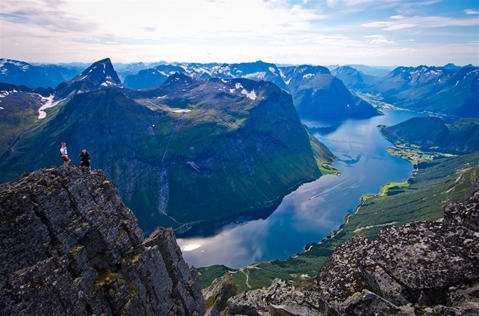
(449, 90)
(34, 76)
(317, 94)
(188, 151)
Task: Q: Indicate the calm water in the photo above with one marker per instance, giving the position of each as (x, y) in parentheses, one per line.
(312, 211)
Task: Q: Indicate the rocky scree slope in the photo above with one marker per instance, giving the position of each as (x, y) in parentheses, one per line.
(421, 268)
(69, 246)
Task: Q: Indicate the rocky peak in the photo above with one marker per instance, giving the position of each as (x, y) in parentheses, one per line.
(71, 247)
(98, 76)
(101, 71)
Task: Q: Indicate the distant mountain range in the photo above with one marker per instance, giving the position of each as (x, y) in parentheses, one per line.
(458, 136)
(317, 94)
(190, 150)
(450, 90)
(34, 76)
(367, 70)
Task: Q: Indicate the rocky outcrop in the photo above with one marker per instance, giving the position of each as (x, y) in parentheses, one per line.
(218, 293)
(69, 246)
(424, 268)
(421, 268)
(280, 299)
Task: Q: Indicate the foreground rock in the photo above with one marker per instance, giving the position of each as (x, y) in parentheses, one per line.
(69, 246)
(421, 268)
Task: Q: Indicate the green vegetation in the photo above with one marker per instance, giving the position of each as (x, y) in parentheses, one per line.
(391, 186)
(419, 137)
(423, 197)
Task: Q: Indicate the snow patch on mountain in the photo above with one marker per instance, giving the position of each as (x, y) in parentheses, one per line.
(251, 95)
(108, 83)
(48, 104)
(307, 76)
(255, 75)
(3, 94)
(272, 70)
(182, 111)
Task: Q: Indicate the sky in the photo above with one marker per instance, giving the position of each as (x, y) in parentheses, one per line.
(321, 32)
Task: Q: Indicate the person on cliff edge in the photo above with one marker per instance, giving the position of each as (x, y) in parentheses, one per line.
(85, 159)
(64, 154)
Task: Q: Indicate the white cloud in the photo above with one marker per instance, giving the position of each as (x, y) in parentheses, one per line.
(469, 11)
(222, 30)
(332, 3)
(401, 22)
(395, 27)
(379, 39)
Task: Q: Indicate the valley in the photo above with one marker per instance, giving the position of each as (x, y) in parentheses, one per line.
(310, 152)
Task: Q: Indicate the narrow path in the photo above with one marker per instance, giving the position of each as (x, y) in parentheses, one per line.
(247, 278)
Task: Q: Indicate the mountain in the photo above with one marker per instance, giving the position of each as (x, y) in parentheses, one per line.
(374, 71)
(19, 109)
(129, 69)
(316, 93)
(434, 89)
(458, 136)
(99, 75)
(352, 78)
(71, 247)
(145, 79)
(188, 151)
(258, 70)
(34, 76)
(319, 95)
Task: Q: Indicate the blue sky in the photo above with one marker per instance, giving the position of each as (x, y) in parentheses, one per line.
(321, 32)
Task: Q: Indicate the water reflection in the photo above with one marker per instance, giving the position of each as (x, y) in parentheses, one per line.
(312, 211)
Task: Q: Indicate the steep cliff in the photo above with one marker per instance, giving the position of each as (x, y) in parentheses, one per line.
(421, 268)
(69, 246)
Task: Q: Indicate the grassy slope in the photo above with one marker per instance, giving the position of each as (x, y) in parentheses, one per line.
(437, 183)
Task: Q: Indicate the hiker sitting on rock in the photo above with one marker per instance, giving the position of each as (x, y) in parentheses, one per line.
(64, 153)
(85, 159)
